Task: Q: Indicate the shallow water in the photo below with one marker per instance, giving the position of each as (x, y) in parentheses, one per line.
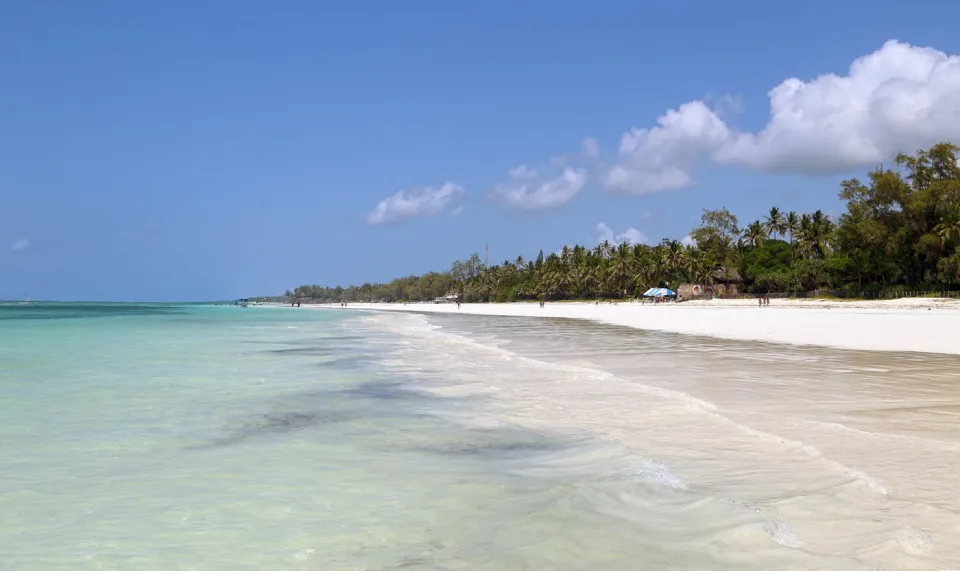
(850, 459)
(215, 438)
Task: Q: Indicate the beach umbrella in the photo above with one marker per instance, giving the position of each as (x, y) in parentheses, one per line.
(658, 292)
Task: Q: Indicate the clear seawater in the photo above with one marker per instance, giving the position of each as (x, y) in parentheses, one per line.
(164, 437)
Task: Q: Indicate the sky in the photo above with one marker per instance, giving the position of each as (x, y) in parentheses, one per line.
(175, 151)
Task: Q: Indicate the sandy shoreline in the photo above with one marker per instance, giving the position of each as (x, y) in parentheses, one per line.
(917, 325)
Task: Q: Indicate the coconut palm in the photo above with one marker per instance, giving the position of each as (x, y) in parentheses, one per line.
(791, 223)
(674, 256)
(754, 234)
(774, 223)
(621, 269)
(603, 249)
(814, 236)
(693, 263)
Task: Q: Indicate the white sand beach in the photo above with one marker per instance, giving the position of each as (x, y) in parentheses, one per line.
(912, 324)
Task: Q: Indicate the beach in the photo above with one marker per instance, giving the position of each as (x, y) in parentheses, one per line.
(925, 325)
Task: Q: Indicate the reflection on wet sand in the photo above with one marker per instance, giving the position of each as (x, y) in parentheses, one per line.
(848, 457)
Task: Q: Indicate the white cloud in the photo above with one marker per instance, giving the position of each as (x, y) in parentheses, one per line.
(661, 158)
(630, 235)
(21, 244)
(688, 240)
(428, 201)
(528, 189)
(604, 233)
(897, 99)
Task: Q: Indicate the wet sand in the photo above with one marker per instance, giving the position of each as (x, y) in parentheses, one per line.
(925, 325)
(766, 456)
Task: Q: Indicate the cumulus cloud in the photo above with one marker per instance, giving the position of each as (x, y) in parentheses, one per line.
(662, 157)
(604, 233)
(528, 189)
(688, 240)
(428, 201)
(21, 244)
(630, 235)
(897, 99)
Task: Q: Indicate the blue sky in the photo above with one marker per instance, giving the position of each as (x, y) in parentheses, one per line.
(189, 151)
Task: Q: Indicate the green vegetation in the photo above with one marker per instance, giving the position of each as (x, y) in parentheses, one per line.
(901, 231)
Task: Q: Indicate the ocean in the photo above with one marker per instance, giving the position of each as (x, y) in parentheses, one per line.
(203, 438)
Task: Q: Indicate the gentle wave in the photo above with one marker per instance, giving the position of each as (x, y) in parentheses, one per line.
(559, 382)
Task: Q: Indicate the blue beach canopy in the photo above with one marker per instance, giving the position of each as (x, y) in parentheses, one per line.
(658, 292)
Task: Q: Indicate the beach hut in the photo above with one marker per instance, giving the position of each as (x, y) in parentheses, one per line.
(694, 291)
(726, 282)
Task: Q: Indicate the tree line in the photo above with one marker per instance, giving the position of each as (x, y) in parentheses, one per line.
(900, 230)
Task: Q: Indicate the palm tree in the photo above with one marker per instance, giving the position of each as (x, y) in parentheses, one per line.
(791, 223)
(674, 254)
(621, 266)
(594, 276)
(754, 234)
(822, 233)
(660, 264)
(814, 236)
(775, 223)
(694, 263)
(603, 249)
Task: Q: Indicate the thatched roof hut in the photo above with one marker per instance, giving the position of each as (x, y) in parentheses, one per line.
(726, 283)
(726, 275)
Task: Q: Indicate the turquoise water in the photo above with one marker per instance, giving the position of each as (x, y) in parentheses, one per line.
(153, 437)
(204, 438)
(164, 437)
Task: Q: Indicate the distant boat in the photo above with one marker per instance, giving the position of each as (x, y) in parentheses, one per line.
(26, 299)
